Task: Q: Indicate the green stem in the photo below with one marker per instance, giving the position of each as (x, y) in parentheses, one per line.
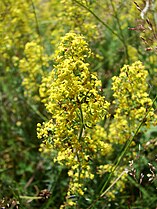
(115, 181)
(121, 156)
(78, 158)
(120, 30)
(126, 148)
(36, 19)
(98, 18)
(82, 124)
(118, 160)
(37, 30)
(37, 112)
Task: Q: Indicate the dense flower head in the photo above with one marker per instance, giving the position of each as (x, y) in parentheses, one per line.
(16, 21)
(77, 133)
(97, 140)
(73, 17)
(132, 102)
(75, 105)
(32, 68)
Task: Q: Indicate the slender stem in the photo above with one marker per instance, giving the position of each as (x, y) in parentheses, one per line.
(38, 112)
(98, 18)
(37, 30)
(115, 181)
(82, 124)
(121, 156)
(117, 162)
(120, 30)
(79, 140)
(126, 148)
(36, 19)
(30, 198)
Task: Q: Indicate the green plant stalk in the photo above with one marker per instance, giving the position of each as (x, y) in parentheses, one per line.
(38, 112)
(101, 21)
(115, 181)
(102, 192)
(82, 124)
(120, 30)
(121, 156)
(37, 28)
(79, 139)
(36, 19)
(126, 148)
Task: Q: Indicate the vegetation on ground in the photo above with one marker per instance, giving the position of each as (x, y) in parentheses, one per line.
(78, 117)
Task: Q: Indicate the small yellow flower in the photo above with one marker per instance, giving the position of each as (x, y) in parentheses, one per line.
(70, 94)
(132, 102)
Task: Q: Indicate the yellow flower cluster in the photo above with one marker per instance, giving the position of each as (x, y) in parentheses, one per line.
(79, 19)
(16, 20)
(132, 102)
(75, 106)
(32, 68)
(98, 140)
(153, 71)
(72, 17)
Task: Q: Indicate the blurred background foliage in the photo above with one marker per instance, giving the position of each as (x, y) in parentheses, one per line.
(118, 32)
